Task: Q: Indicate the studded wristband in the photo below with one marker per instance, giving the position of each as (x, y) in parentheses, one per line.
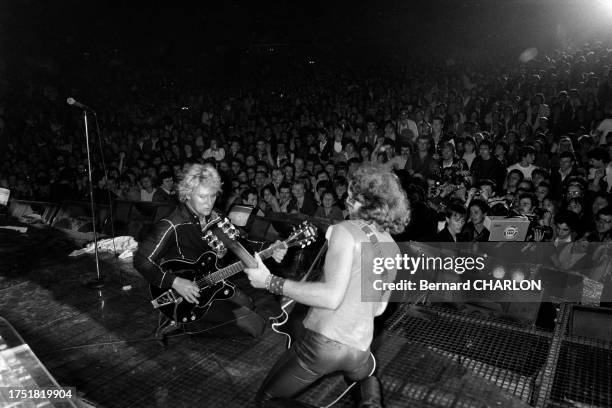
(268, 280)
(276, 285)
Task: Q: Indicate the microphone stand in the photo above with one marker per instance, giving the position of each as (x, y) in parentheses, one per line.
(97, 282)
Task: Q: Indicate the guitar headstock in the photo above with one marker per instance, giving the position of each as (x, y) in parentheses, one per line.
(302, 235)
(228, 228)
(214, 242)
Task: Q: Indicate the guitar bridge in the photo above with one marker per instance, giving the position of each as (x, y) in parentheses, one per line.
(166, 298)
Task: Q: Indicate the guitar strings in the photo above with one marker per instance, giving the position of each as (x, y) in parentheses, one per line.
(206, 279)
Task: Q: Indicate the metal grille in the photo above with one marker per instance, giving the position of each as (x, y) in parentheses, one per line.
(457, 346)
(583, 377)
(440, 349)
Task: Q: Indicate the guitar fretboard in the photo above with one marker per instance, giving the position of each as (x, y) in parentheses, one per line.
(232, 269)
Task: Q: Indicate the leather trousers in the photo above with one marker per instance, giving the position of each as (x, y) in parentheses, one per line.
(310, 358)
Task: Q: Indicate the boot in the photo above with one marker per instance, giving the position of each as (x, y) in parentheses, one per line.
(370, 393)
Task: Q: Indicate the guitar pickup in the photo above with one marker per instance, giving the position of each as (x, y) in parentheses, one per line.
(165, 299)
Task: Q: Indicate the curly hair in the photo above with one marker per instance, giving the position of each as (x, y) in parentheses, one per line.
(197, 174)
(382, 198)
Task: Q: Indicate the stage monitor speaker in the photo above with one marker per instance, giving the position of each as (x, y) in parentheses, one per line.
(283, 222)
(240, 214)
(135, 217)
(163, 210)
(260, 229)
(273, 226)
(591, 322)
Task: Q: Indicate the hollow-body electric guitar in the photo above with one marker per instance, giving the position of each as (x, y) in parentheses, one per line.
(211, 279)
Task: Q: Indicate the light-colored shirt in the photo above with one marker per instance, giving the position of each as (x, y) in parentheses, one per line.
(525, 170)
(604, 127)
(337, 147)
(217, 154)
(559, 241)
(609, 176)
(146, 196)
(409, 124)
(352, 323)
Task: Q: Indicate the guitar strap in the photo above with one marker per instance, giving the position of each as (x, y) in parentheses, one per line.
(375, 243)
(373, 239)
(371, 236)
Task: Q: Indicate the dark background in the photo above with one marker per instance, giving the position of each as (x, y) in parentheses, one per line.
(208, 33)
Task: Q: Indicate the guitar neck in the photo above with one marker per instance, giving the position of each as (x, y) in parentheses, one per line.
(236, 267)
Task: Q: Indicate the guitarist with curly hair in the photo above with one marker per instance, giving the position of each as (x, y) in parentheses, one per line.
(339, 325)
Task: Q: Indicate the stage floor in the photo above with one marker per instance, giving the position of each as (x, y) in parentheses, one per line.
(102, 343)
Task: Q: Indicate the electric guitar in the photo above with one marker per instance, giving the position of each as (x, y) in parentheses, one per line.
(210, 278)
(279, 321)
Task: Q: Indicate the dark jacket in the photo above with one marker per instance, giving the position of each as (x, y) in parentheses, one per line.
(445, 236)
(327, 151)
(309, 205)
(335, 213)
(491, 169)
(557, 185)
(178, 236)
(424, 166)
(471, 235)
(161, 196)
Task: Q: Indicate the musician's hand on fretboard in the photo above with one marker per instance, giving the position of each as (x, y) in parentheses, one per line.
(279, 252)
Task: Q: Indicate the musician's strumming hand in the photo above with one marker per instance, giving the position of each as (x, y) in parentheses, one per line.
(279, 253)
(187, 289)
(259, 275)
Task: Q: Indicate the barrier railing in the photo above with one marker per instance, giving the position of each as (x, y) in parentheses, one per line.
(134, 217)
(130, 217)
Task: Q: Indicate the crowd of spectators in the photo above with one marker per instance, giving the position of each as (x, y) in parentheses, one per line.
(467, 138)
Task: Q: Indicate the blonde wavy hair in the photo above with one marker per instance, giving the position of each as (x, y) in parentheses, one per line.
(197, 174)
(382, 198)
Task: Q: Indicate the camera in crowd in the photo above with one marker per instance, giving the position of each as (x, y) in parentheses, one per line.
(547, 232)
(448, 187)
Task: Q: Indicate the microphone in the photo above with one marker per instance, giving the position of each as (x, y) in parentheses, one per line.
(74, 102)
